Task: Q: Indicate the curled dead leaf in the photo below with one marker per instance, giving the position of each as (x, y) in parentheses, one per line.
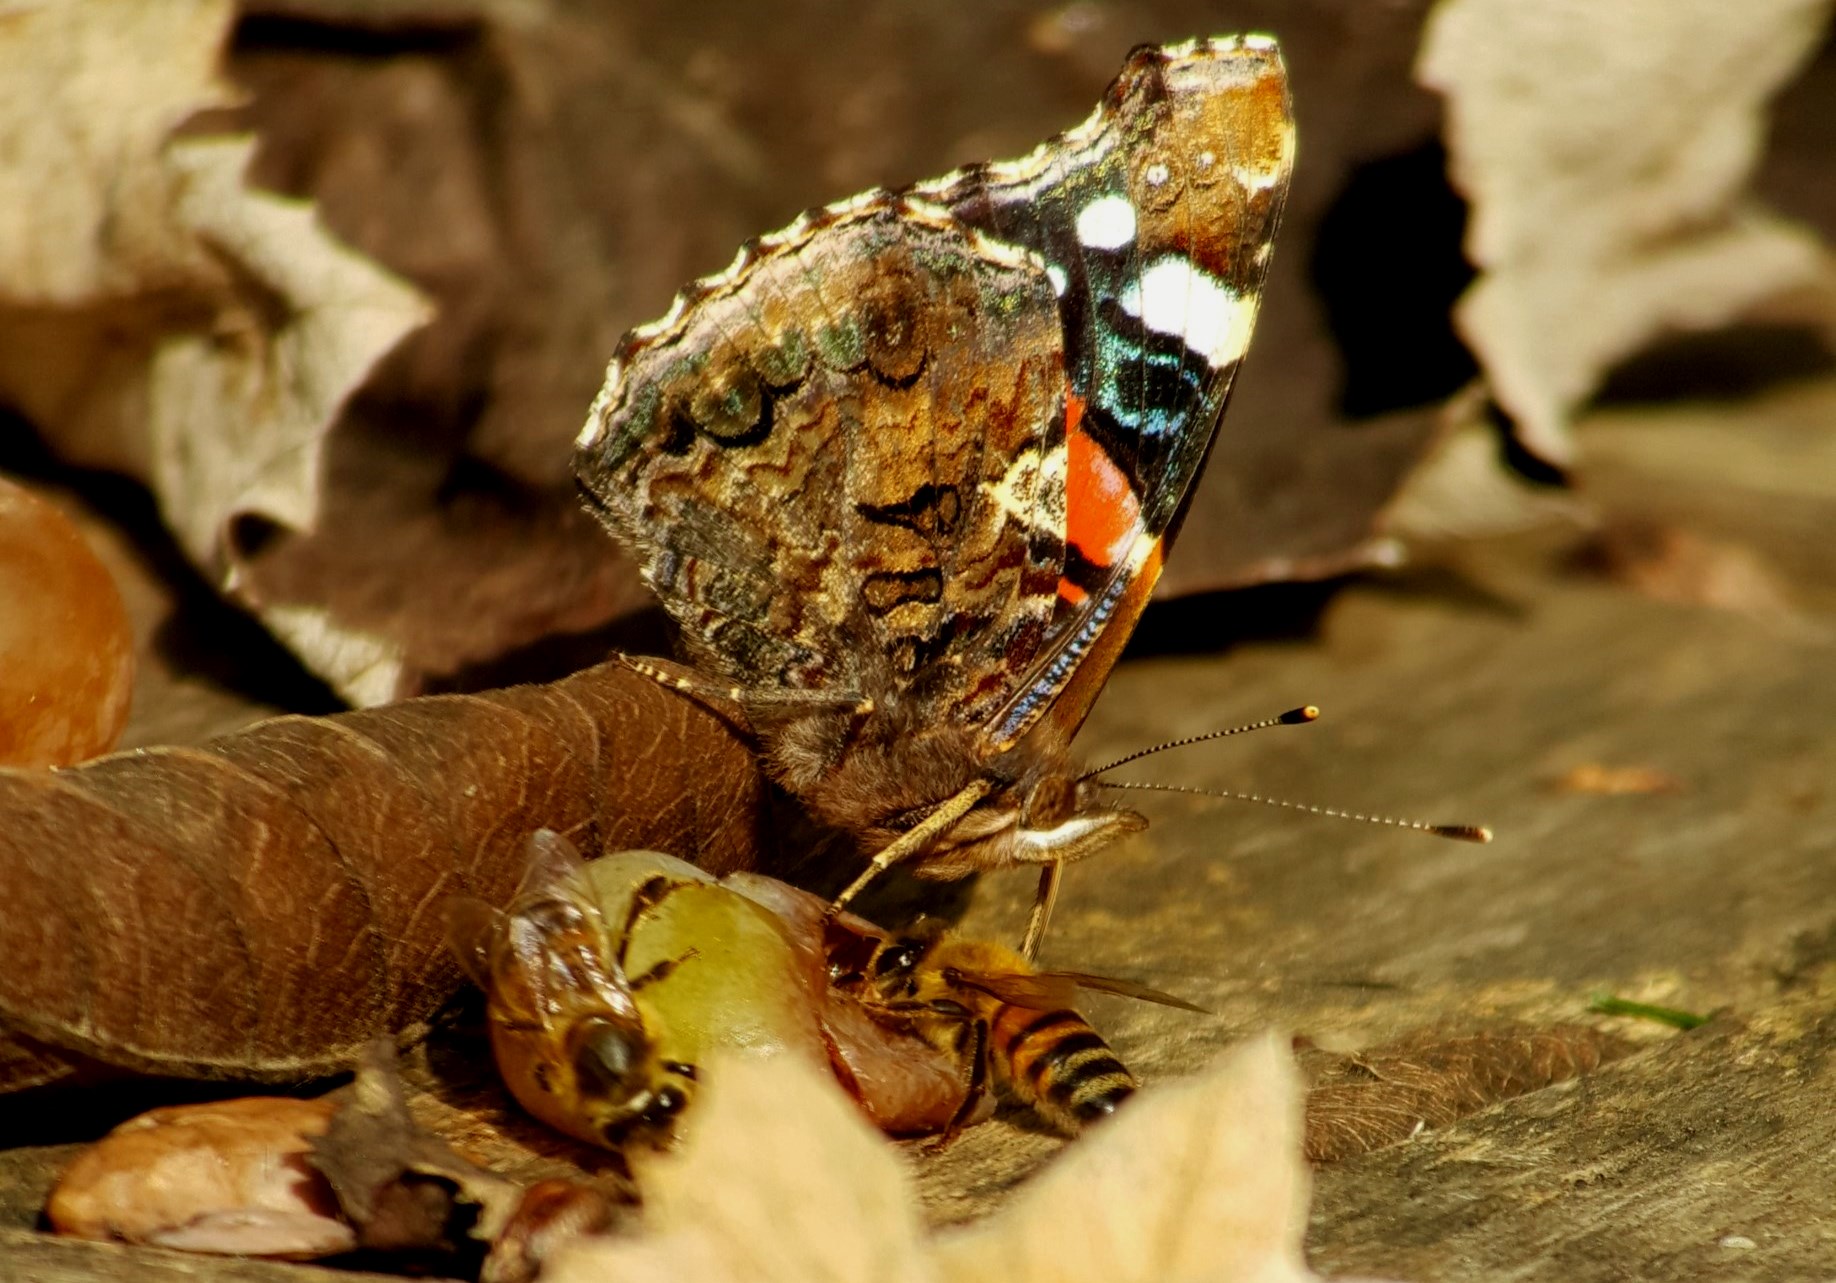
(1364, 1101)
(263, 905)
(157, 315)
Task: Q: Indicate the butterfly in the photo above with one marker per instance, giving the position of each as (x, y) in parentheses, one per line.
(906, 472)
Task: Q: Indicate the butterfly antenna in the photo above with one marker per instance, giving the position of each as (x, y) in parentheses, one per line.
(1459, 832)
(1293, 717)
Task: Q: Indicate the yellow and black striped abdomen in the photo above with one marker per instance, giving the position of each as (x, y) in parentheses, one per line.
(1058, 1064)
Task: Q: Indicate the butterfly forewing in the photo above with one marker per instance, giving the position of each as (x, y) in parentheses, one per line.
(1154, 220)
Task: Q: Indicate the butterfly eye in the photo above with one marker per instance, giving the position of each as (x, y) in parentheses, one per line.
(1052, 801)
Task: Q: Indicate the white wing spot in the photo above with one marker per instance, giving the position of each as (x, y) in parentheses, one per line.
(1056, 275)
(1174, 297)
(1018, 492)
(1156, 174)
(1106, 223)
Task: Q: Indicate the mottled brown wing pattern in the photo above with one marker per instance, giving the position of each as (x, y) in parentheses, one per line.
(818, 470)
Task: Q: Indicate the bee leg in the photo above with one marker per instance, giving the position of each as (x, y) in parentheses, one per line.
(661, 970)
(914, 839)
(976, 1090)
(648, 896)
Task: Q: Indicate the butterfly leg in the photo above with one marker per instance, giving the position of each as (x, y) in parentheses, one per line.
(914, 840)
(1051, 877)
(698, 687)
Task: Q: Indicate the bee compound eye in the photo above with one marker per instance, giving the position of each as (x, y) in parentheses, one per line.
(605, 1056)
(898, 959)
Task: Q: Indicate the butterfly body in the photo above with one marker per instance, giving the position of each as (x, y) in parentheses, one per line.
(904, 473)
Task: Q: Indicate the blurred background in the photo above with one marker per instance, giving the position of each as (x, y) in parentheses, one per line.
(306, 299)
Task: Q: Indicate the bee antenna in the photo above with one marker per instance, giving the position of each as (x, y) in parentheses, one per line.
(1459, 832)
(1293, 717)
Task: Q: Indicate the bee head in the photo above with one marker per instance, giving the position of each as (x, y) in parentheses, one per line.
(623, 1087)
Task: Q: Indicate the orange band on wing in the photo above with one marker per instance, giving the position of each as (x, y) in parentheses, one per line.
(1102, 515)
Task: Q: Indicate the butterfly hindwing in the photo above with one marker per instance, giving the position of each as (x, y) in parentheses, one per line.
(831, 457)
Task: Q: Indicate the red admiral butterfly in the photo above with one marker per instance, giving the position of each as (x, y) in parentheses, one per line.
(905, 472)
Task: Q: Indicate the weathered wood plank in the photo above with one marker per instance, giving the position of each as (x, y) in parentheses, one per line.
(1712, 1156)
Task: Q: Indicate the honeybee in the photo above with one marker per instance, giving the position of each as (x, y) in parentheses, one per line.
(608, 983)
(987, 1007)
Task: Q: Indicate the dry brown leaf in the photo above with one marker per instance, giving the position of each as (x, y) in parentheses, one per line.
(1608, 187)
(1365, 1101)
(780, 1180)
(263, 905)
(227, 1177)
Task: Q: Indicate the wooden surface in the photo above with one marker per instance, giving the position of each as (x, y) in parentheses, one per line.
(1460, 690)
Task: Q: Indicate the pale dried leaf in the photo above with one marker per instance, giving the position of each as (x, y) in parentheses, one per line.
(225, 1177)
(779, 1179)
(238, 417)
(84, 118)
(1461, 490)
(1201, 1180)
(1606, 151)
(156, 315)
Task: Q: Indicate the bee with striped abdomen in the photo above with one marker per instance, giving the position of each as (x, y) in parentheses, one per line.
(608, 983)
(996, 1015)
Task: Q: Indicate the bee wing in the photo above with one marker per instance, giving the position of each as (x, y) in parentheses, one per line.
(1127, 989)
(1043, 990)
(1036, 990)
(552, 862)
(471, 926)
